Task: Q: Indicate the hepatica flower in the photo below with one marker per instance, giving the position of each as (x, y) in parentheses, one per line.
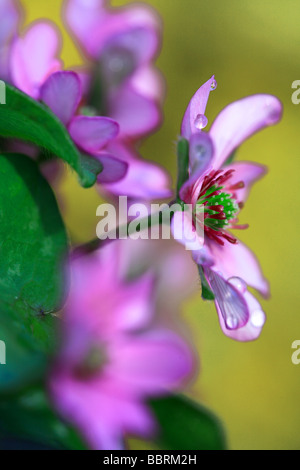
(62, 93)
(123, 83)
(122, 44)
(112, 357)
(221, 188)
(36, 70)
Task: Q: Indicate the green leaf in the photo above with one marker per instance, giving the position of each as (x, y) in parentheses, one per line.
(28, 420)
(33, 245)
(185, 425)
(183, 163)
(206, 293)
(25, 119)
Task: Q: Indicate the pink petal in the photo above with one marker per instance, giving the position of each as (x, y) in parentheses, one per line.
(201, 157)
(241, 119)
(102, 411)
(133, 28)
(231, 305)
(33, 57)
(153, 363)
(149, 82)
(114, 169)
(247, 172)
(136, 114)
(196, 107)
(253, 328)
(184, 232)
(83, 18)
(144, 180)
(93, 133)
(10, 17)
(62, 93)
(239, 261)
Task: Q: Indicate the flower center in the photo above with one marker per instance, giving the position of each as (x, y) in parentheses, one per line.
(220, 205)
(117, 64)
(92, 363)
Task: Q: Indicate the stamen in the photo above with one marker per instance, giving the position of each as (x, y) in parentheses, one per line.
(220, 205)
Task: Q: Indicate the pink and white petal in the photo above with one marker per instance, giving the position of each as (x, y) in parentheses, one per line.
(239, 121)
(153, 363)
(201, 158)
(135, 28)
(93, 133)
(144, 180)
(196, 108)
(229, 300)
(10, 18)
(136, 308)
(247, 172)
(62, 93)
(84, 17)
(136, 114)
(34, 57)
(114, 169)
(184, 232)
(239, 261)
(148, 81)
(87, 407)
(253, 328)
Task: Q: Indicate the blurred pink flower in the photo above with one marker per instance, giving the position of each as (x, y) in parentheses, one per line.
(34, 57)
(10, 18)
(62, 93)
(122, 44)
(112, 357)
(37, 70)
(123, 84)
(222, 188)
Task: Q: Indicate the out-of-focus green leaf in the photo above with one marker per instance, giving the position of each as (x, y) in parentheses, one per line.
(33, 245)
(185, 425)
(26, 119)
(28, 420)
(182, 162)
(206, 293)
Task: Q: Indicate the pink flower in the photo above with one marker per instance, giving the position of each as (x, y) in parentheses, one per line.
(123, 44)
(62, 93)
(36, 70)
(222, 188)
(113, 357)
(123, 84)
(10, 18)
(34, 57)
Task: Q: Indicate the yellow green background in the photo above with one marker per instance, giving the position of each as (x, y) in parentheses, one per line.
(252, 46)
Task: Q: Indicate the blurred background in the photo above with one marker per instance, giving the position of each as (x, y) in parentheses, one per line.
(251, 47)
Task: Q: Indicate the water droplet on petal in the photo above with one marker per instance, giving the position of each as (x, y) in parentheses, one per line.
(257, 318)
(238, 283)
(232, 323)
(213, 85)
(201, 121)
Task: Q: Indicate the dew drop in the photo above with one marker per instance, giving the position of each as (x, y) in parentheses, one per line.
(238, 283)
(258, 318)
(213, 85)
(201, 121)
(232, 323)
